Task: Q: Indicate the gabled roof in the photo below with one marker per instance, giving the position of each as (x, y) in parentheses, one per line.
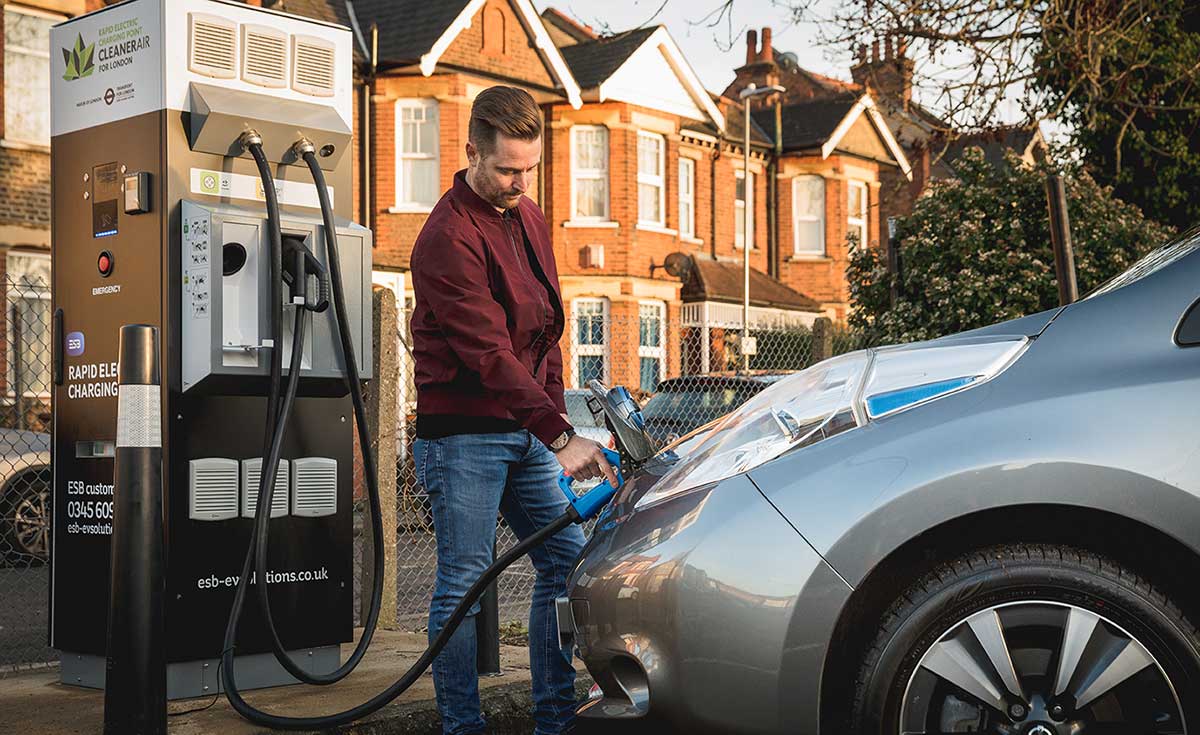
(995, 143)
(807, 124)
(824, 122)
(420, 31)
(714, 280)
(568, 26)
(594, 63)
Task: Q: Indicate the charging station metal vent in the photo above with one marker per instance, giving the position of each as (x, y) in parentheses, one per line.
(314, 487)
(264, 56)
(212, 46)
(312, 66)
(251, 472)
(212, 489)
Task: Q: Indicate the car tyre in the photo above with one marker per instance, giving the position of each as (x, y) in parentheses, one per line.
(899, 685)
(25, 513)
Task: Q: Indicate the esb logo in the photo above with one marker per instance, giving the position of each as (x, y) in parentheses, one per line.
(75, 344)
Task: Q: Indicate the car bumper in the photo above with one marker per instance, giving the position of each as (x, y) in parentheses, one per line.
(708, 610)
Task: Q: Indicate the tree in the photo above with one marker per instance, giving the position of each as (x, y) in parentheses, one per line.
(1139, 132)
(976, 251)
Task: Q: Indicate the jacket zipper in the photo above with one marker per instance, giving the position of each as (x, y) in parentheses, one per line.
(542, 330)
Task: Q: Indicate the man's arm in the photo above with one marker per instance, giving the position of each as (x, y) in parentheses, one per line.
(453, 279)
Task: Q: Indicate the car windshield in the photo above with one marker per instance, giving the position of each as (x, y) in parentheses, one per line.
(1156, 260)
(694, 405)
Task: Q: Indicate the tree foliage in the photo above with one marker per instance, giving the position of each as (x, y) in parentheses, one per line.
(976, 251)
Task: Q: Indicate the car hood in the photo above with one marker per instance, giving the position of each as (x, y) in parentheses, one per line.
(1028, 326)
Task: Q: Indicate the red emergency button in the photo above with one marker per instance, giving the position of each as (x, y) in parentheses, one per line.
(105, 263)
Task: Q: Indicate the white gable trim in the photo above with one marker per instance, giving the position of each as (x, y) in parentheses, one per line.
(867, 105)
(683, 70)
(532, 23)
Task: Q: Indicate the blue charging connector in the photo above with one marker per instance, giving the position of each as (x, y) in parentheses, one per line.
(585, 506)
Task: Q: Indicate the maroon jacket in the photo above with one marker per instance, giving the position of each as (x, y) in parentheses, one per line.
(483, 342)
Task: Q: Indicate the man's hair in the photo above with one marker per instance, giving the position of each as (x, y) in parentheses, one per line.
(506, 110)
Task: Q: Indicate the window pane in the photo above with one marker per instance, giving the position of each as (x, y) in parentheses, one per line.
(590, 321)
(591, 148)
(740, 189)
(808, 237)
(650, 323)
(591, 367)
(649, 374)
(648, 149)
(591, 195)
(685, 177)
(428, 135)
(687, 226)
(420, 180)
(856, 200)
(27, 77)
(810, 196)
(648, 203)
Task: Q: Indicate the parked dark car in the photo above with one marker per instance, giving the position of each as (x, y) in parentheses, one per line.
(25, 496)
(993, 532)
(680, 405)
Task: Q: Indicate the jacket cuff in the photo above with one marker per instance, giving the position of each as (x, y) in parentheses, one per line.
(548, 428)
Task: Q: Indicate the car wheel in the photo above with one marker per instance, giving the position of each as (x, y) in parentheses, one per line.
(1031, 640)
(26, 518)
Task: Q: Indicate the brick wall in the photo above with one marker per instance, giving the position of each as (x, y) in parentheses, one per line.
(476, 47)
(25, 187)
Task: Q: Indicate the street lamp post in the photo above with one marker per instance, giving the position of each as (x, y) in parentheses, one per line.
(752, 90)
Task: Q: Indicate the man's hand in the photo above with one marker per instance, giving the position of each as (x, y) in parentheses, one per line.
(584, 459)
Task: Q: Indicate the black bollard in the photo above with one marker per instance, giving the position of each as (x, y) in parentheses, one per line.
(487, 630)
(135, 688)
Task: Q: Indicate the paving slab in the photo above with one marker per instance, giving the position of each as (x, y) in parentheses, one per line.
(37, 703)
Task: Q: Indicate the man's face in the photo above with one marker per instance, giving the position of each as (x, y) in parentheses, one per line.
(505, 173)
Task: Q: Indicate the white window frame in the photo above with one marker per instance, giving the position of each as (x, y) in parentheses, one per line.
(599, 174)
(857, 220)
(37, 53)
(403, 202)
(797, 218)
(687, 225)
(658, 181)
(578, 350)
(14, 291)
(660, 352)
(739, 208)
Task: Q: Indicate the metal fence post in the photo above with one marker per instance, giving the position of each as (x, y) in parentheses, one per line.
(135, 688)
(487, 630)
(382, 420)
(822, 339)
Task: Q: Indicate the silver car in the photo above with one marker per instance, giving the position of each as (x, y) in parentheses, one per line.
(24, 496)
(994, 532)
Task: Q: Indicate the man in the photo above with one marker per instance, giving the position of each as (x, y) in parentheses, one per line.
(492, 429)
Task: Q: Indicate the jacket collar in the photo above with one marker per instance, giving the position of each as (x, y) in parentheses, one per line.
(465, 194)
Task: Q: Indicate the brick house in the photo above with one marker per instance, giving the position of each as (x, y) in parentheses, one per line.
(25, 205)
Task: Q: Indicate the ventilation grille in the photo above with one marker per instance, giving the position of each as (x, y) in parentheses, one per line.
(212, 46)
(251, 472)
(314, 484)
(312, 66)
(264, 56)
(212, 489)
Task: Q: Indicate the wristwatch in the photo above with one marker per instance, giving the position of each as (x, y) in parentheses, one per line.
(562, 440)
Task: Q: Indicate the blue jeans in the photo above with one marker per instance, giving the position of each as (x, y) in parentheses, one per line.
(469, 478)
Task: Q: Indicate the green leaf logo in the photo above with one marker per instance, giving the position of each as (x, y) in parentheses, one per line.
(80, 60)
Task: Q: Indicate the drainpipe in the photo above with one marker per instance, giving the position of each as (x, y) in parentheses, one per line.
(368, 205)
(712, 239)
(773, 195)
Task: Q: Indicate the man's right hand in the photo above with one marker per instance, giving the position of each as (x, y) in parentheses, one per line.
(583, 459)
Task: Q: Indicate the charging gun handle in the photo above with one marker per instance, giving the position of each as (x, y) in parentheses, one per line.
(586, 506)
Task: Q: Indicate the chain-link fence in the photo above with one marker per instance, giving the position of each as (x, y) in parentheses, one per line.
(685, 375)
(661, 361)
(25, 484)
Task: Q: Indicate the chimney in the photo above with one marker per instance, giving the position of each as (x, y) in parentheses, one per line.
(767, 55)
(751, 46)
(890, 77)
(875, 50)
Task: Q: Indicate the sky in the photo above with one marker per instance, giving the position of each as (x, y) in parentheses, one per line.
(708, 49)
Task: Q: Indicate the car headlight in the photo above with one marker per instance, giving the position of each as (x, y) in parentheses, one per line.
(833, 396)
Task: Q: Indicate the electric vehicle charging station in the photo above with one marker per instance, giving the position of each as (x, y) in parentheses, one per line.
(160, 217)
